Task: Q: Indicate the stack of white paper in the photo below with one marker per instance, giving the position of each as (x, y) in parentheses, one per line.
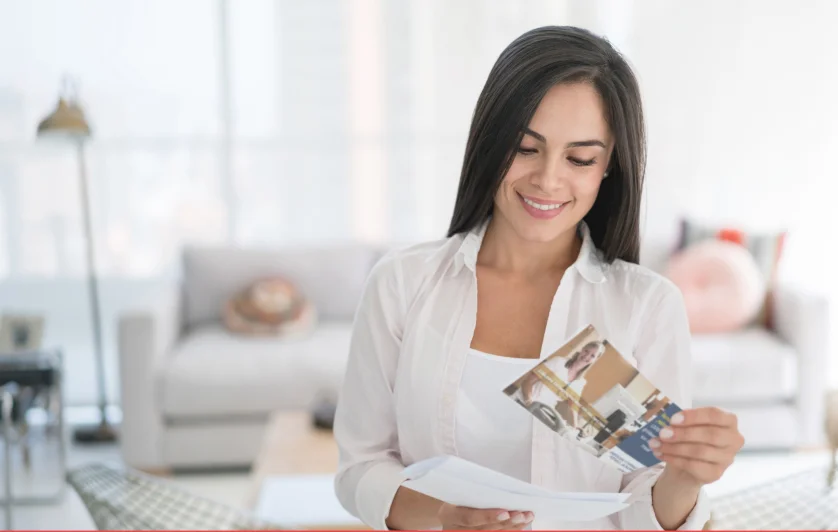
(463, 483)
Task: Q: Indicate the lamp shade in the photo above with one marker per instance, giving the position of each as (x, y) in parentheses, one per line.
(66, 120)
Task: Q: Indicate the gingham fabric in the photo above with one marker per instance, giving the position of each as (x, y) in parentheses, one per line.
(128, 500)
(798, 502)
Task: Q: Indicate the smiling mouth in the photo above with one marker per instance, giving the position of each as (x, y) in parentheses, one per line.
(543, 206)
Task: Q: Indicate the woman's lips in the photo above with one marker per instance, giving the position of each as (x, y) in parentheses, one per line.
(540, 209)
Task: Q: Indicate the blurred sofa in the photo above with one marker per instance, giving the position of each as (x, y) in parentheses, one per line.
(774, 380)
(195, 396)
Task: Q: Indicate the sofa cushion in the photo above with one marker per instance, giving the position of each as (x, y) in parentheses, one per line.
(214, 374)
(331, 278)
(742, 367)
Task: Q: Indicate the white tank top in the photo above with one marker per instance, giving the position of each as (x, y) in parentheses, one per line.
(491, 429)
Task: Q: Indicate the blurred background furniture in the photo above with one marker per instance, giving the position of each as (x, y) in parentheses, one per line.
(195, 395)
(774, 378)
(122, 499)
(30, 380)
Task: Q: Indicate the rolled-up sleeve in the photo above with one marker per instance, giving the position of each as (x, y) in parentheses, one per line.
(370, 469)
(663, 356)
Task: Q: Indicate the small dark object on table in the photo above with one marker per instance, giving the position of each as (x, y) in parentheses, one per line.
(323, 415)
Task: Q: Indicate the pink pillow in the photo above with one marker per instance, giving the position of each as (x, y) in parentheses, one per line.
(722, 285)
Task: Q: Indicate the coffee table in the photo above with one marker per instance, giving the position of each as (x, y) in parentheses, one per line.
(293, 476)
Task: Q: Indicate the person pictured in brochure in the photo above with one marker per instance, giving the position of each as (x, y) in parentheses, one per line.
(544, 239)
(537, 396)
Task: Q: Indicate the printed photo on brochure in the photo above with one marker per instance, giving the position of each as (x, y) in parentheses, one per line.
(587, 392)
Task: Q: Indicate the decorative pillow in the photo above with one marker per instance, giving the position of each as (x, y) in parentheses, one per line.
(271, 306)
(766, 250)
(722, 286)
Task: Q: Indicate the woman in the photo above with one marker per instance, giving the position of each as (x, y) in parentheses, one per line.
(571, 371)
(544, 240)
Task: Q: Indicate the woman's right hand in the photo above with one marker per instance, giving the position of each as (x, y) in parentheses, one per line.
(462, 518)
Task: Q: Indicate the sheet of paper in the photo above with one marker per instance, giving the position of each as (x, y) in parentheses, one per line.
(301, 501)
(463, 483)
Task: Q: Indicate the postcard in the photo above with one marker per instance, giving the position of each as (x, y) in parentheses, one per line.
(589, 393)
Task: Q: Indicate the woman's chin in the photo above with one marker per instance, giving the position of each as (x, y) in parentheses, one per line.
(539, 231)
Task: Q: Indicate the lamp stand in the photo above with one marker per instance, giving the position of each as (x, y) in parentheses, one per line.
(103, 431)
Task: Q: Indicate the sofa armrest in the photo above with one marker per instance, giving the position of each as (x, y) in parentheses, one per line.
(802, 319)
(145, 339)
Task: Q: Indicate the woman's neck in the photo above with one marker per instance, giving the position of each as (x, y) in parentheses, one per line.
(504, 250)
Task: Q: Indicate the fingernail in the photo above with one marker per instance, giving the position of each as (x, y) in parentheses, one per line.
(657, 454)
(503, 516)
(666, 433)
(654, 444)
(530, 517)
(677, 419)
(518, 519)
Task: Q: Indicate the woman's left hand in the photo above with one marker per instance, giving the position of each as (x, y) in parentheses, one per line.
(699, 443)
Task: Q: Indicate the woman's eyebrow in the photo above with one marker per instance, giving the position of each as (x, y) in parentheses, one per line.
(584, 143)
(535, 134)
(576, 144)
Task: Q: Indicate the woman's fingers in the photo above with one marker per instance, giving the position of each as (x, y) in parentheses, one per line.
(708, 415)
(713, 435)
(477, 519)
(693, 451)
(461, 516)
(701, 442)
(517, 521)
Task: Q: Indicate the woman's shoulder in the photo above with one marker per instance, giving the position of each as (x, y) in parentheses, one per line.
(415, 263)
(635, 280)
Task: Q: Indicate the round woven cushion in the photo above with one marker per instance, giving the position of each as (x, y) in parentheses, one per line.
(270, 306)
(722, 286)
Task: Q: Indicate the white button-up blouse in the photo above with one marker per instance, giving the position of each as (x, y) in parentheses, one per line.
(409, 345)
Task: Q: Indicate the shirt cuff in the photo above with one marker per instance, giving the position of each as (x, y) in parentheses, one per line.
(640, 515)
(375, 493)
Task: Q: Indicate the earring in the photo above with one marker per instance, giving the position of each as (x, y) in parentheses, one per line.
(605, 175)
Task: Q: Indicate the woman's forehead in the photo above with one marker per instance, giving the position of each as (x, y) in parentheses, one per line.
(571, 112)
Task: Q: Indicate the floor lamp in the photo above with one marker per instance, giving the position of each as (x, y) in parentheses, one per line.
(67, 121)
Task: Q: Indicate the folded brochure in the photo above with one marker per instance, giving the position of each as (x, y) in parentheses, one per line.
(463, 483)
(587, 392)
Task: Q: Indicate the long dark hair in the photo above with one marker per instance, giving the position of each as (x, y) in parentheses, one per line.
(522, 75)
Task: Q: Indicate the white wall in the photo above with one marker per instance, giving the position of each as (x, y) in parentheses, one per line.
(742, 114)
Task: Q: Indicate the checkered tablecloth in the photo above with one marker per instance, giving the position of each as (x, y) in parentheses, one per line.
(798, 502)
(127, 500)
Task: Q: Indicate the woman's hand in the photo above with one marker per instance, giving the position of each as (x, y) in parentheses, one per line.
(462, 518)
(699, 445)
(697, 448)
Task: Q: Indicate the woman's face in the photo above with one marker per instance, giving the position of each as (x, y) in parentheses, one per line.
(555, 175)
(588, 355)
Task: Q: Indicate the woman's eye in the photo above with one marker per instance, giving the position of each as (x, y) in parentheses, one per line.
(581, 162)
(526, 151)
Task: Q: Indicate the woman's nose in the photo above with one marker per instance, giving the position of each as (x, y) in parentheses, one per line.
(551, 178)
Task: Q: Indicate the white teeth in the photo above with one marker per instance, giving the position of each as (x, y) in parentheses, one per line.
(542, 207)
